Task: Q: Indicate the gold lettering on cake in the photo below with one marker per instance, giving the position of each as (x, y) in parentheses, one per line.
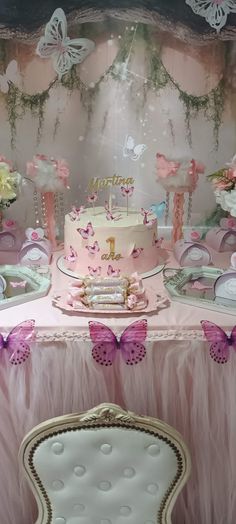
(112, 255)
(97, 184)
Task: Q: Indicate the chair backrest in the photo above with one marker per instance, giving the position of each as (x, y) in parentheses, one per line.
(105, 466)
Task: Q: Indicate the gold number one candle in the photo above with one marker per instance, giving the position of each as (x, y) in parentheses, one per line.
(111, 241)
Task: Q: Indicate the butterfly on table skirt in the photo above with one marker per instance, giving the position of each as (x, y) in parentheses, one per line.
(107, 344)
(17, 343)
(220, 342)
(132, 151)
(63, 51)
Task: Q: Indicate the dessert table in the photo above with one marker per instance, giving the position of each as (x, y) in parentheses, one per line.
(177, 382)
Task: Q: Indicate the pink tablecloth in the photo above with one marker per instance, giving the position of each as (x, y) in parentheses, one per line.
(177, 382)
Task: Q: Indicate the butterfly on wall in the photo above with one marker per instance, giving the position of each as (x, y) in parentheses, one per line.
(220, 342)
(95, 272)
(11, 75)
(93, 249)
(17, 343)
(86, 232)
(107, 344)
(132, 151)
(63, 51)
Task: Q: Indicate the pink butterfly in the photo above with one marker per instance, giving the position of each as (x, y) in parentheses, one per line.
(199, 286)
(127, 191)
(145, 215)
(136, 252)
(166, 167)
(93, 249)
(220, 342)
(130, 344)
(109, 214)
(17, 343)
(76, 212)
(18, 284)
(87, 232)
(113, 272)
(92, 198)
(157, 241)
(72, 257)
(95, 272)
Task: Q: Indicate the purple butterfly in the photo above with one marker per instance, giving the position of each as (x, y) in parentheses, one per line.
(220, 342)
(17, 343)
(107, 345)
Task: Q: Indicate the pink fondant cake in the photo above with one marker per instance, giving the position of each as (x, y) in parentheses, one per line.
(97, 246)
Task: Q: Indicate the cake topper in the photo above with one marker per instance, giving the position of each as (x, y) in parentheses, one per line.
(76, 212)
(127, 192)
(92, 198)
(109, 214)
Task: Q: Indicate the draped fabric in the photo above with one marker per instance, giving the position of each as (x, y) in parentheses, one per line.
(177, 382)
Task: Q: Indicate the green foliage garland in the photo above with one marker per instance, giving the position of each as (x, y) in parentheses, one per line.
(211, 104)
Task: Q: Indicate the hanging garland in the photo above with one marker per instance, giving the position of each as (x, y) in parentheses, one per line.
(212, 104)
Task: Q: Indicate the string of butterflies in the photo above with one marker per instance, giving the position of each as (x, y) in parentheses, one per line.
(106, 344)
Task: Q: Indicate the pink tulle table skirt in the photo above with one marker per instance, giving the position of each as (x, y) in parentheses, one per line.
(177, 382)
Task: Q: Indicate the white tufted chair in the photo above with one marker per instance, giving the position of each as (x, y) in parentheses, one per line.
(105, 466)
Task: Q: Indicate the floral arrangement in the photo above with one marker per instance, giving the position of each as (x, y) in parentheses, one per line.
(224, 182)
(9, 183)
(48, 174)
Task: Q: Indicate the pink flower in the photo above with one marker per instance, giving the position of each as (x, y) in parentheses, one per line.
(195, 236)
(34, 235)
(231, 223)
(62, 170)
(9, 224)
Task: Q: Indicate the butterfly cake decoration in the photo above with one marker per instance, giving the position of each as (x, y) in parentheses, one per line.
(107, 344)
(56, 44)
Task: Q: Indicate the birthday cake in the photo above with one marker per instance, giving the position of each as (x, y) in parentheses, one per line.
(101, 242)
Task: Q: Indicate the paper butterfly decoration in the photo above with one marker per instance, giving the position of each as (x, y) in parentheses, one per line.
(72, 257)
(158, 209)
(157, 241)
(166, 167)
(76, 212)
(93, 249)
(127, 191)
(57, 45)
(11, 75)
(113, 272)
(17, 343)
(130, 344)
(18, 284)
(87, 232)
(109, 214)
(136, 252)
(92, 198)
(95, 272)
(132, 151)
(214, 11)
(220, 342)
(34, 235)
(145, 215)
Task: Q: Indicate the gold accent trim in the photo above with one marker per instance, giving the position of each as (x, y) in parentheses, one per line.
(104, 415)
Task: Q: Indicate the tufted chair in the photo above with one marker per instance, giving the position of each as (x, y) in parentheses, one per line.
(105, 466)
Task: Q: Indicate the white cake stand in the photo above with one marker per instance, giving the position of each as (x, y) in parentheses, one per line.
(61, 265)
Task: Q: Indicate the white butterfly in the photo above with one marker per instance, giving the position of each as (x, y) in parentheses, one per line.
(11, 75)
(134, 152)
(56, 44)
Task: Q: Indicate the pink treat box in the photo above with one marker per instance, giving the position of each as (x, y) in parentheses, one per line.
(191, 254)
(223, 238)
